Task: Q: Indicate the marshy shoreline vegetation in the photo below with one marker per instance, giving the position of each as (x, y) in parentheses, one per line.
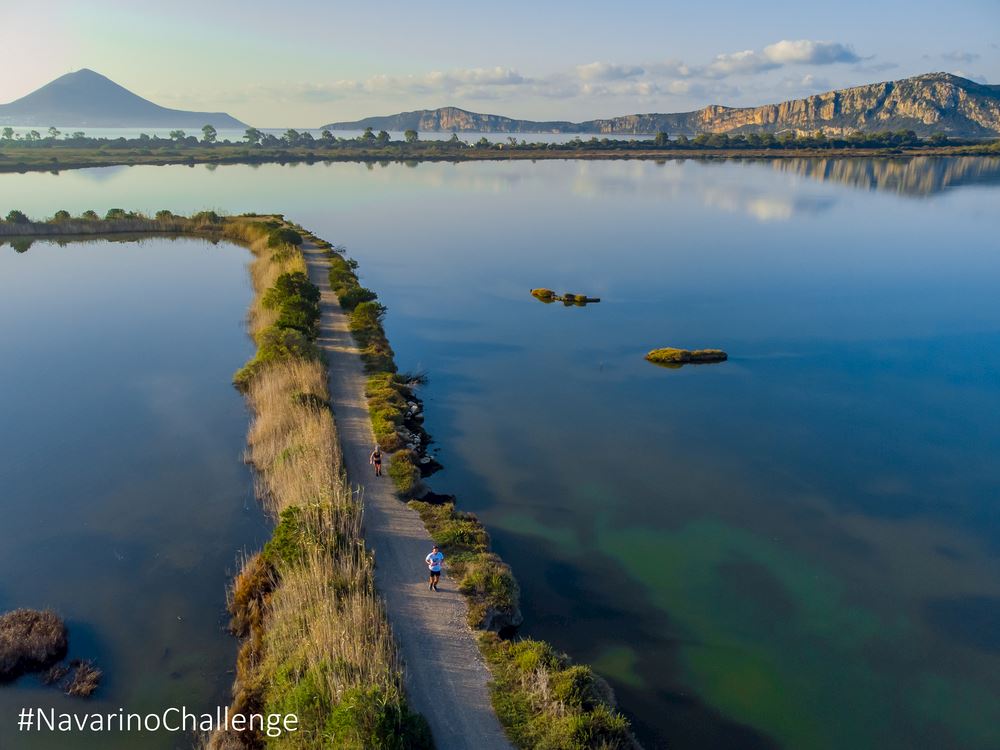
(56, 151)
(315, 640)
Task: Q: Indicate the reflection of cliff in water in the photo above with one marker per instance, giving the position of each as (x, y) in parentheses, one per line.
(915, 175)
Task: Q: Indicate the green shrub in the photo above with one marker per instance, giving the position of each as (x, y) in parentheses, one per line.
(544, 701)
(367, 718)
(366, 317)
(342, 271)
(274, 344)
(353, 296)
(60, 216)
(16, 217)
(295, 284)
(300, 314)
(287, 542)
(455, 531)
(206, 217)
(283, 236)
(492, 590)
(403, 471)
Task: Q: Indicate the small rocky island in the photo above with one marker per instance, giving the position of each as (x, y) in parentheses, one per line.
(548, 297)
(671, 357)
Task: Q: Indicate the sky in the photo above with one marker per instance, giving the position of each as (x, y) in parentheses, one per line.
(304, 63)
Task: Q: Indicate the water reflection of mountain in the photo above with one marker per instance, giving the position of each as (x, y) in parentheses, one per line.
(914, 176)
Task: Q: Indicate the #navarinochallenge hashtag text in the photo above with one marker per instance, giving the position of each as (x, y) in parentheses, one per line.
(36, 719)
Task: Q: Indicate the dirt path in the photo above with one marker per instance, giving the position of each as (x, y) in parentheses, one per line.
(446, 678)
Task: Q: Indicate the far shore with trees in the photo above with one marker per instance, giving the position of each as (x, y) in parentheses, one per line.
(55, 150)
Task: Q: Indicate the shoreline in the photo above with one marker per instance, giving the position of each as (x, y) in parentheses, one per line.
(47, 159)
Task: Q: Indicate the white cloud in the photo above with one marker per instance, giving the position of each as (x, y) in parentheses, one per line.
(779, 54)
(737, 63)
(806, 52)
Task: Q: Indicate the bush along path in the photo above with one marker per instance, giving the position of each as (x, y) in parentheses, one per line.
(540, 697)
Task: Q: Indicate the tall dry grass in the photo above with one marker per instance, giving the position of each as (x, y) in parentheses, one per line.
(292, 441)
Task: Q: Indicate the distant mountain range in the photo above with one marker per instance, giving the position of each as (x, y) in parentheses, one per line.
(88, 99)
(931, 103)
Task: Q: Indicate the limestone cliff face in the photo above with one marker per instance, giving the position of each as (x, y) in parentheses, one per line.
(932, 103)
(937, 102)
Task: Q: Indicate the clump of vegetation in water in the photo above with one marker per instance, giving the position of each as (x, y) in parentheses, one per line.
(670, 357)
(569, 299)
(544, 700)
(30, 641)
(85, 679)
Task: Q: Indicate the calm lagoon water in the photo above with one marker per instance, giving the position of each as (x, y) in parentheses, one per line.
(797, 548)
(125, 501)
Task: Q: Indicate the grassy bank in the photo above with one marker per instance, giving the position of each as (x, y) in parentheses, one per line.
(53, 155)
(542, 699)
(315, 641)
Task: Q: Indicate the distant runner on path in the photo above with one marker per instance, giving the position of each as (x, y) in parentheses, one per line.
(375, 459)
(434, 560)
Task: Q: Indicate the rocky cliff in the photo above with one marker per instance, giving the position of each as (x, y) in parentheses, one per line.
(931, 103)
(937, 102)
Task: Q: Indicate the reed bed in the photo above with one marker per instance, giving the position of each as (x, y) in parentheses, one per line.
(292, 441)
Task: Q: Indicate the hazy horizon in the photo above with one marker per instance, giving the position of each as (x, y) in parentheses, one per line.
(305, 65)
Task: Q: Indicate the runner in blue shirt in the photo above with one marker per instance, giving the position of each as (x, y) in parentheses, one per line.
(434, 560)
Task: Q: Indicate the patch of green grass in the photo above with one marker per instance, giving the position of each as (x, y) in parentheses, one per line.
(403, 471)
(546, 702)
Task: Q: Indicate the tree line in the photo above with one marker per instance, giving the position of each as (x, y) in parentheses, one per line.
(255, 138)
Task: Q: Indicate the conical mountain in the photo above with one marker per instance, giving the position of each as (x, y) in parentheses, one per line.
(85, 98)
